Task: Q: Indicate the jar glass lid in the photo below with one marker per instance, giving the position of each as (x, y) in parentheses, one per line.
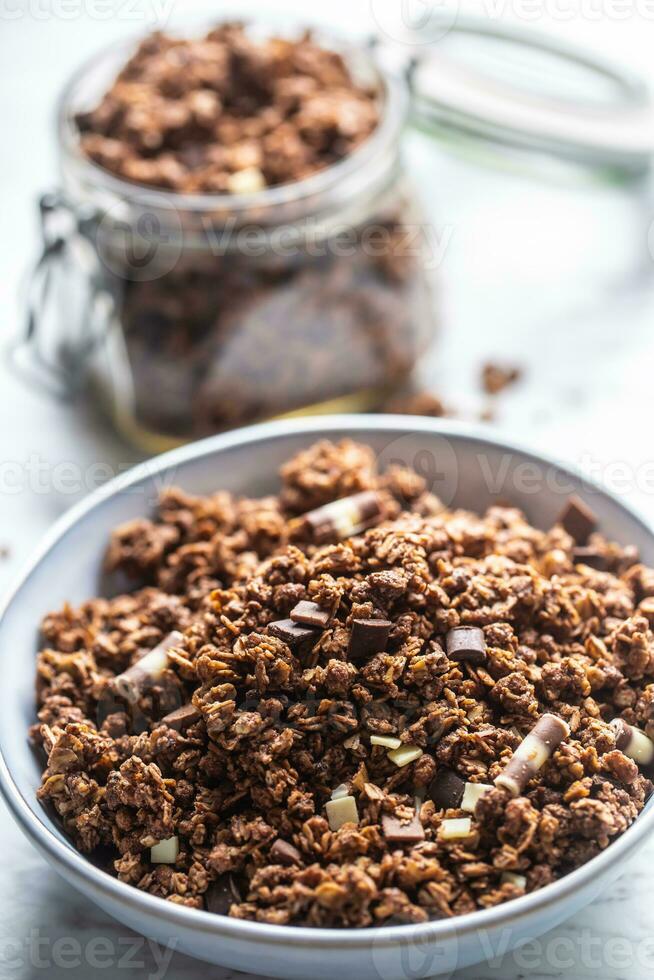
(519, 87)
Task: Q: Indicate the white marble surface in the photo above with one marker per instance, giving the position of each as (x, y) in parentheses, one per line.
(557, 279)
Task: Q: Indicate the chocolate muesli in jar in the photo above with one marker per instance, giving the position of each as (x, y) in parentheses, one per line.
(235, 232)
(243, 226)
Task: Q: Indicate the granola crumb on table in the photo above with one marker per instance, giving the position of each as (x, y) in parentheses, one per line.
(327, 771)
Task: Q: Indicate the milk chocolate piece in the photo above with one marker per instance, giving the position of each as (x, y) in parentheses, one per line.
(586, 555)
(466, 644)
(403, 833)
(182, 717)
(284, 853)
(310, 614)
(294, 634)
(446, 789)
(221, 894)
(342, 518)
(532, 753)
(368, 637)
(578, 520)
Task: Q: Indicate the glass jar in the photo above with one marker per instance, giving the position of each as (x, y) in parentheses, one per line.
(187, 314)
(209, 311)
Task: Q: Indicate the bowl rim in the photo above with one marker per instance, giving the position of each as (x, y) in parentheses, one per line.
(259, 933)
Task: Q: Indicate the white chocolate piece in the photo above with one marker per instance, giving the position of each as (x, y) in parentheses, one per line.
(404, 755)
(250, 180)
(165, 852)
(509, 783)
(640, 748)
(456, 829)
(389, 741)
(533, 750)
(634, 743)
(346, 518)
(340, 791)
(509, 878)
(472, 794)
(341, 810)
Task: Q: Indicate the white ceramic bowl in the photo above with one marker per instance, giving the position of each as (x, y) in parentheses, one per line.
(464, 466)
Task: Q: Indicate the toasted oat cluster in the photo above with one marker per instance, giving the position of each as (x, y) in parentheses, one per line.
(347, 705)
(227, 113)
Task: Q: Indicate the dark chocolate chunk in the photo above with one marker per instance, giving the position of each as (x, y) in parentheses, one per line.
(292, 633)
(586, 555)
(221, 894)
(578, 520)
(403, 833)
(446, 789)
(284, 853)
(182, 717)
(466, 643)
(310, 614)
(369, 636)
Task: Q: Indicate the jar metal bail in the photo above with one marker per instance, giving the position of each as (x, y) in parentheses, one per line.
(474, 78)
(58, 372)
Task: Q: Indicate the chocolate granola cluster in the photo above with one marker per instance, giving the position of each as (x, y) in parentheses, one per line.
(348, 705)
(227, 113)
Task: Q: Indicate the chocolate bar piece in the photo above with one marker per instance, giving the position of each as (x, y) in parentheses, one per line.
(294, 634)
(221, 894)
(182, 717)
(578, 520)
(586, 555)
(466, 644)
(310, 614)
(532, 753)
(368, 637)
(446, 789)
(402, 833)
(284, 853)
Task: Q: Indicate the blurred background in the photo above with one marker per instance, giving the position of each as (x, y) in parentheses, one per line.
(536, 265)
(541, 324)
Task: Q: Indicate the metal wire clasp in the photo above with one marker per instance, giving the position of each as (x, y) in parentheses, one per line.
(57, 373)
